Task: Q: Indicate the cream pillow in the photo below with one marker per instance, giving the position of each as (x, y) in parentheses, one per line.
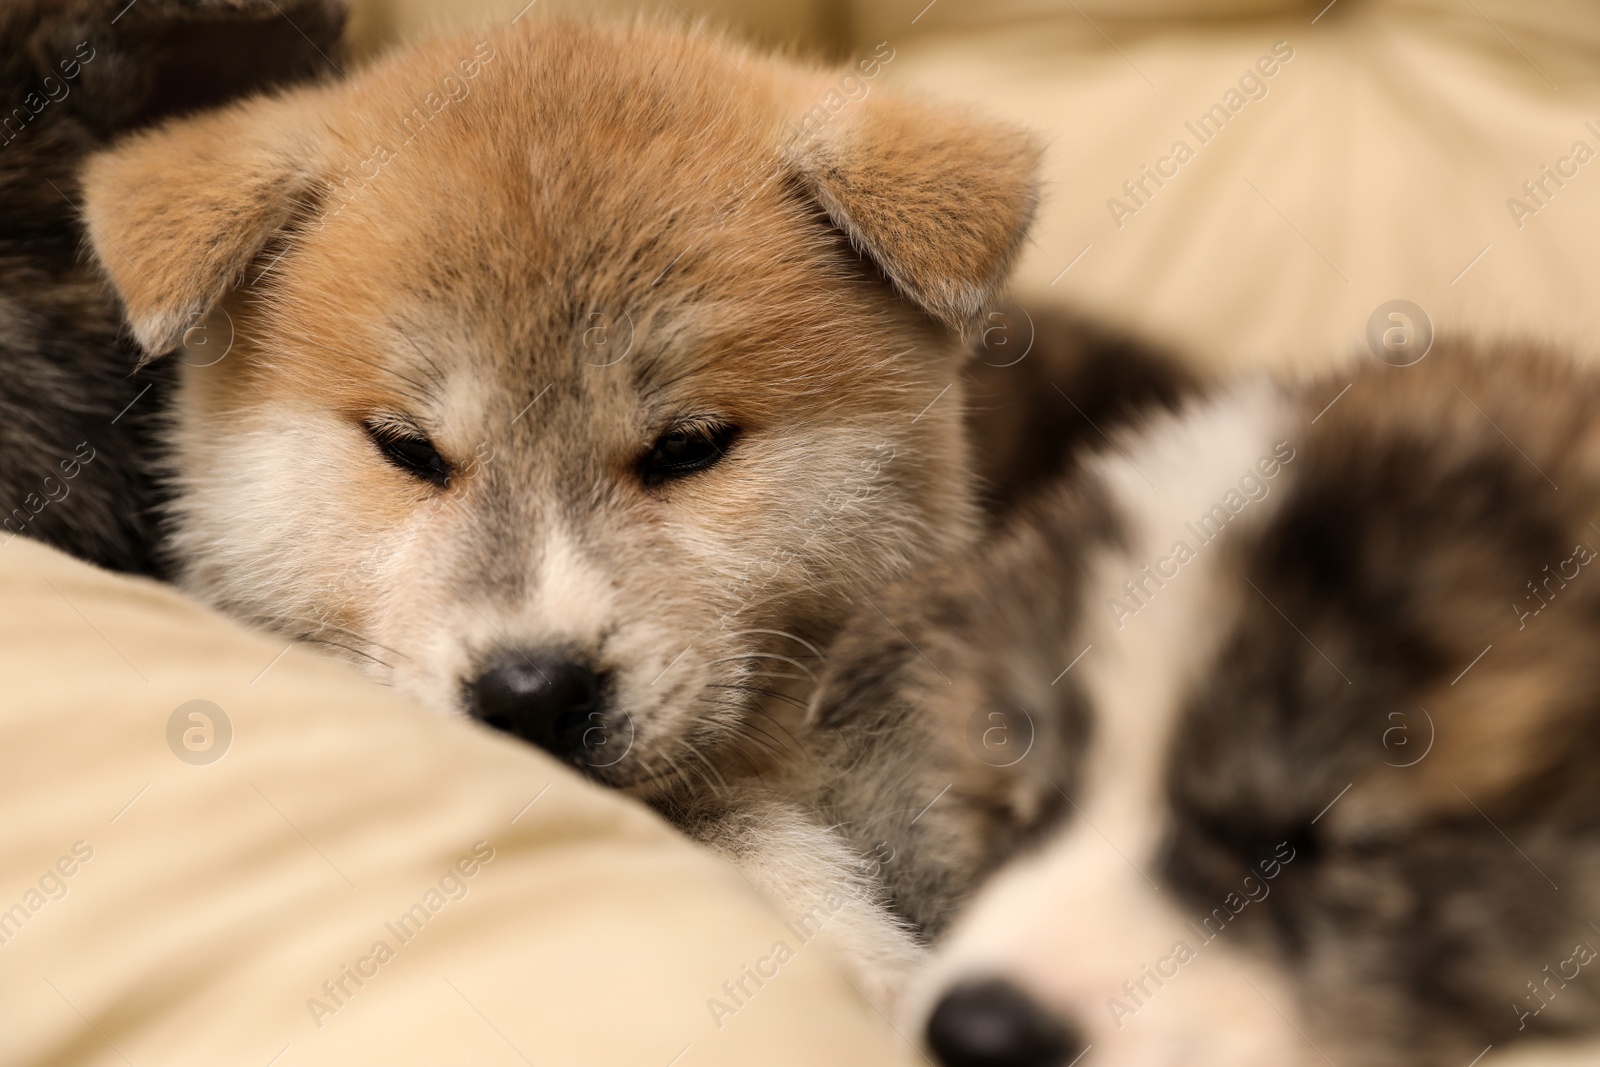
(1383, 161)
(354, 880)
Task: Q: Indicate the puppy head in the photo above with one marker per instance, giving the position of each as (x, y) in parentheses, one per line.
(1048, 855)
(570, 375)
(1324, 772)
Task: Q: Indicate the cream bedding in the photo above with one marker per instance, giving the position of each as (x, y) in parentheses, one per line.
(1381, 162)
(158, 909)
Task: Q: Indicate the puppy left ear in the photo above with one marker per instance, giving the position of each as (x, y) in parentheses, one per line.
(940, 202)
(173, 240)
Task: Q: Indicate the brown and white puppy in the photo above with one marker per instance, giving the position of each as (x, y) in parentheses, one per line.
(582, 377)
(1271, 737)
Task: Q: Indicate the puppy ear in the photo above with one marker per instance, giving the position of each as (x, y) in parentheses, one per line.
(176, 215)
(939, 201)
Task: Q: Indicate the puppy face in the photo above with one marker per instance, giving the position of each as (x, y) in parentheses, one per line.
(571, 356)
(1325, 765)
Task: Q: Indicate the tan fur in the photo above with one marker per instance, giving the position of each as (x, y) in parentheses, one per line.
(565, 178)
(903, 188)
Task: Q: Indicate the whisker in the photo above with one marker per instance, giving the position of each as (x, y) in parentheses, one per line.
(667, 774)
(773, 693)
(813, 649)
(285, 622)
(348, 648)
(748, 730)
(710, 770)
(743, 757)
(779, 725)
(764, 655)
(677, 771)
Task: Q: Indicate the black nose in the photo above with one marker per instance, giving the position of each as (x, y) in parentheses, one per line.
(994, 1024)
(551, 701)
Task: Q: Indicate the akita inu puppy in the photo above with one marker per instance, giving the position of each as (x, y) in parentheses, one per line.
(583, 378)
(1270, 736)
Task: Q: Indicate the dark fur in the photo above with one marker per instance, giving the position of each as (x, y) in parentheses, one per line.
(1411, 530)
(69, 366)
(1408, 922)
(1047, 386)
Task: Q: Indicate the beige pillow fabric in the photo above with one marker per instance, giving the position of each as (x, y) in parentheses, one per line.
(1378, 163)
(161, 910)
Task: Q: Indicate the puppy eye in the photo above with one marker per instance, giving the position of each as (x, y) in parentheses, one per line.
(685, 450)
(411, 452)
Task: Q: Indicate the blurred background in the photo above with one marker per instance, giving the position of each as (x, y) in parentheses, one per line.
(1336, 156)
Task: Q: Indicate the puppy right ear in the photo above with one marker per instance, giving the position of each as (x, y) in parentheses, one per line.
(176, 215)
(940, 200)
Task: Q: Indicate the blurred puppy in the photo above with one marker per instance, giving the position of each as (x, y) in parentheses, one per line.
(1270, 736)
(581, 376)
